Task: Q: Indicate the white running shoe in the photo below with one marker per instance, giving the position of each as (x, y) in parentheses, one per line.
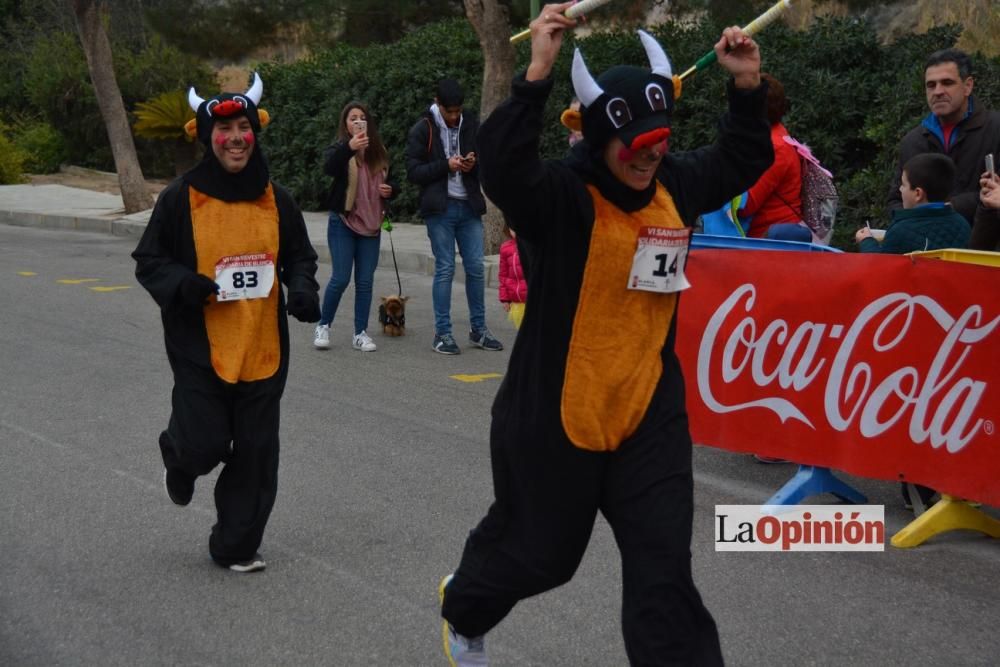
(322, 339)
(363, 342)
(460, 650)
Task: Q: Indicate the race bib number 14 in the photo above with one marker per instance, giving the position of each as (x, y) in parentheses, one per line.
(245, 276)
(660, 257)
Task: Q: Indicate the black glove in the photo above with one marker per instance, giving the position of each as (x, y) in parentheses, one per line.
(304, 306)
(195, 289)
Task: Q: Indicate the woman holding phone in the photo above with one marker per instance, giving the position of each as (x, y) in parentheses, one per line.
(359, 166)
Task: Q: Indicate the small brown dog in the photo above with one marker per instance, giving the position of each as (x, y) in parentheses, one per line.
(392, 315)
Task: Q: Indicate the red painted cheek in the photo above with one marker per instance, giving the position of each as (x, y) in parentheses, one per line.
(220, 140)
(248, 138)
(625, 154)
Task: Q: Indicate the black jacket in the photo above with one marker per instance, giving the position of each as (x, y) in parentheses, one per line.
(973, 138)
(427, 164)
(986, 230)
(335, 160)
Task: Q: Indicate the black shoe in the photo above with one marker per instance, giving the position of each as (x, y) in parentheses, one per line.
(255, 564)
(485, 340)
(445, 344)
(179, 485)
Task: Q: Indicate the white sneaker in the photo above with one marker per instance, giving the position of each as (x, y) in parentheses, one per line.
(322, 339)
(363, 342)
(460, 650)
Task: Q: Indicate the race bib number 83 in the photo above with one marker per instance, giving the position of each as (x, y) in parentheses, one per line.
(660, 257)
(245, 276)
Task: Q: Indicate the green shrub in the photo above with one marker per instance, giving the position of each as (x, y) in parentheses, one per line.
(11, 159)
(42, 146)
(853, 97)
(57, 85)
(396, 81)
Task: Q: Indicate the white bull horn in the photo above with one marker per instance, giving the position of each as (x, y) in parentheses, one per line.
(256, 90)
(194, 100)
(658, 60)
(584, 85)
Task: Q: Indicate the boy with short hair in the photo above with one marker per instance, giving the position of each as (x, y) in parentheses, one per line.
(927, 221)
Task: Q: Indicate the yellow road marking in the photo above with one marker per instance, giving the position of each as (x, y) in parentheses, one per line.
(112, 288)
(78, 281)
(27, 273)
(461, 377)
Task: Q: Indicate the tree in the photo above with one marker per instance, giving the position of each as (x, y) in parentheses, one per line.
(97, 49)
(491, 21)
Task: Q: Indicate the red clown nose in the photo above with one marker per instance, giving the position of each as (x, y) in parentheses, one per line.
(654, 138)
(228, 108)
(650, 138)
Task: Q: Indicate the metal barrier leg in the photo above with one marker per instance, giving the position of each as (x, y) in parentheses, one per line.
(812, 481)
(947, 514)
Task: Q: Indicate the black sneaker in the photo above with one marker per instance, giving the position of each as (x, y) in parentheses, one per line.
(485, 339)
(445, 344)
(179, 485)
(255, 564)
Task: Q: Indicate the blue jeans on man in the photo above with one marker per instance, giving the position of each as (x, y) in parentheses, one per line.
(348, 250)
(458, 224)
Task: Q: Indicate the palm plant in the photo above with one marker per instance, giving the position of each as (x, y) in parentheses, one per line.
(163, 118)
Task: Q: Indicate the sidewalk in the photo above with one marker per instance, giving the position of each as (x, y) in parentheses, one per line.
(61, 207)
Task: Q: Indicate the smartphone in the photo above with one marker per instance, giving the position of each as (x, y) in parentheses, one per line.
(989, 163)
(361, 126)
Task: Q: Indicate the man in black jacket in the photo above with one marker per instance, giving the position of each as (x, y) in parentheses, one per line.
(441, 159)
(957, 126)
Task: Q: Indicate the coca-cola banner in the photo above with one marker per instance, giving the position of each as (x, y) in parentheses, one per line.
(881, 366)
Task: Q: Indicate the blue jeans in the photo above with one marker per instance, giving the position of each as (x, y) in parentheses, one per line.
(458, 224)
(349, 249)
(789, 231)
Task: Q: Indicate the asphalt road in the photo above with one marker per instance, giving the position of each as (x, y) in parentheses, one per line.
(384, 471)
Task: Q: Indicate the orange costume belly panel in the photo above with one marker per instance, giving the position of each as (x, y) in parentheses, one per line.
(614, 365)
(242, 335)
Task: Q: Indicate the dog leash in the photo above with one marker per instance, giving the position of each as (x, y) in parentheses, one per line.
(387, 226)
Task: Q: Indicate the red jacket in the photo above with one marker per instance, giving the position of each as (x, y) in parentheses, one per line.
(775, 196)
(513, 286)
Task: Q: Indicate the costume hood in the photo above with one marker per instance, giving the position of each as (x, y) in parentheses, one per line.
(632, 103)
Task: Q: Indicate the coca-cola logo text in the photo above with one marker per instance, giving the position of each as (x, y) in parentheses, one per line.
(938, 396)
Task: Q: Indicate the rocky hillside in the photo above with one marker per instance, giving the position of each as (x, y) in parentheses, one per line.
(981, 18)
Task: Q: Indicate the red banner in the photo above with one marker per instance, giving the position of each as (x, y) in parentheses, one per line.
(881, 366)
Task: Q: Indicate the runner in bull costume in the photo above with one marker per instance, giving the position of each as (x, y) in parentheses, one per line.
(220, 240)
(590, 416)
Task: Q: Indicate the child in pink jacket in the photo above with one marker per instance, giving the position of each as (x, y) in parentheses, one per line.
(513, 286)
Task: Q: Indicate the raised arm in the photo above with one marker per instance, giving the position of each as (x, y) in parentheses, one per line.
(705, 179)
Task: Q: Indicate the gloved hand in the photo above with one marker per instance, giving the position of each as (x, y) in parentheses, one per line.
(195, 289)
(304, 306)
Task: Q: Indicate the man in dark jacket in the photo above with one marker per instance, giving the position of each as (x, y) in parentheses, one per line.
(957, 126)
(441, 159)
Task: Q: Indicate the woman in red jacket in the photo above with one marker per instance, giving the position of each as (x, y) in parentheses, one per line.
(774, 204)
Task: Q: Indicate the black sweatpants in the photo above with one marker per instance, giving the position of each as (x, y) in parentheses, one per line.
(215, 422)
(548, 493)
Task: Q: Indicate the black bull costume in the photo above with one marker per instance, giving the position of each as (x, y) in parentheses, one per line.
(590, 416)
(229, 357)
